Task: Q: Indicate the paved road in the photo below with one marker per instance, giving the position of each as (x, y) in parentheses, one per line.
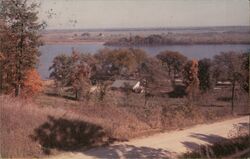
(163, 144)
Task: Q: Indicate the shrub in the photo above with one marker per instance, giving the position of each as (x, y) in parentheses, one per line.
(32, 84)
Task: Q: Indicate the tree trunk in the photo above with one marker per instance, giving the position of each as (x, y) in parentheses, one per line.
(174, 74)
(18, 80)
(19, 68)
(1, 68)
(145, 93)
(169, 71)
(17, 90)
(232, 97)
(145, 99)
(1, 78)
(76, 95)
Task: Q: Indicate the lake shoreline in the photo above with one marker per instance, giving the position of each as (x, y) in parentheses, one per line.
(72, 42)
(107, 45)
(50, 51)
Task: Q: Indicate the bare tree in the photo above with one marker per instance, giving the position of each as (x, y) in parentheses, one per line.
(228, 66)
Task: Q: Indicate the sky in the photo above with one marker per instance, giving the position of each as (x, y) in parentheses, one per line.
(87, 14)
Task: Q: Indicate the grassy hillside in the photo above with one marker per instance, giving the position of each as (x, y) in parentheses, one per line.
(48, 123)
(28, 130)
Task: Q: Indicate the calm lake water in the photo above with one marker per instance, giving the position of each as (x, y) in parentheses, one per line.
(191, 51)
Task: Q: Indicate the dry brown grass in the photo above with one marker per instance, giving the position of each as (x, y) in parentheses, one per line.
(127, 116)
(30, 129)
(116, 121)
(18, 119)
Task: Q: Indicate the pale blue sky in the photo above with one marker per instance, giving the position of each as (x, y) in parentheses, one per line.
(144, 13)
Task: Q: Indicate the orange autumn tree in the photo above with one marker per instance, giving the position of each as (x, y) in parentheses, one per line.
(33, 83)
(191, 79)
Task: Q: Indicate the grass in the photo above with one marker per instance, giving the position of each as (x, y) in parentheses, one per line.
(28, 130)
(18, 119)
(31, 130)
(160, 112)
(50, 123)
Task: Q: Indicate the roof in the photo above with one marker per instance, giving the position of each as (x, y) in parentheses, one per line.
(122, 83)
(223, 83)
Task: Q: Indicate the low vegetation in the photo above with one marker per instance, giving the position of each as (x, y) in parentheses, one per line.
(52, 124)
(226, 148)
(237, 146)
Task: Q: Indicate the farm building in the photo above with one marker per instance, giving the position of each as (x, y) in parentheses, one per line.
(222, 84)
(124, 84)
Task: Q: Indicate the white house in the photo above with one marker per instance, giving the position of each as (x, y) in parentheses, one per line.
(131, 84)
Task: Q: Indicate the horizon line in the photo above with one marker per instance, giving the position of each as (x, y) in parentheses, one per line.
(147, 28)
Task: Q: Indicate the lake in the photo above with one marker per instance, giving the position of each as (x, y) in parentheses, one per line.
(191, 51)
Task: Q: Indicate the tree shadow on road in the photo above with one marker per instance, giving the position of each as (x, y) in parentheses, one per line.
(218, 149)
(69, 135)
(128, 151)
(240, 129)
(209, 139)
(191, 146)
(78, 136)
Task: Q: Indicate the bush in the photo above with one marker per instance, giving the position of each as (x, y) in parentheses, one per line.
(33, 84)
(223, 149)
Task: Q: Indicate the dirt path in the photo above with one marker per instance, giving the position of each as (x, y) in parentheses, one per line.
(163, 144)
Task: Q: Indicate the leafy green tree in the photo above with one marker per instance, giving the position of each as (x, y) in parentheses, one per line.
(81, 74)
(152, 77)
(173, 60)
(61, 70)
(20, 18)
(120, 62)
(7, 62)
(73, 71)
(204, 74)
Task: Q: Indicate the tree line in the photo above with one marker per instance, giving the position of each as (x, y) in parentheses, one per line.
(80, 71)
(181, 39)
